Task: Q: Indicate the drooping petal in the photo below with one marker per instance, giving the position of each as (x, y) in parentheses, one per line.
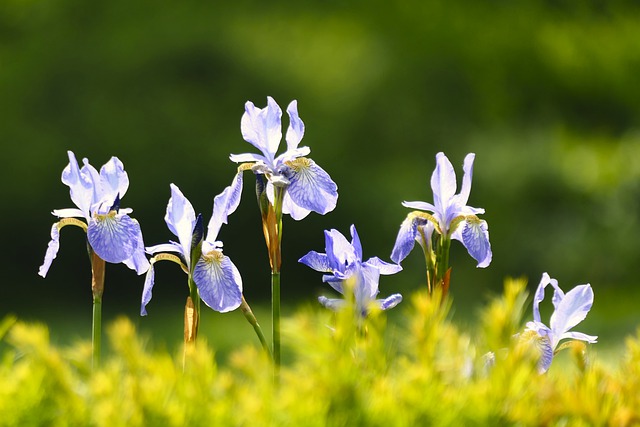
(219, 282)
(288, 205)
(311, 187)
(115, 180)
(334, 304)
(295, 132)
(224, 204)
(443, 184)
(572, 309)
(475, 237)
(80, 185)
(382, 266)
(146, 290)
(579, 336)
(68, 213)
(52, 250)
(317, 261)
(366, 286)
(421, 206)
(546, 348)
(406, 239)
(138, 260)
(390, 301)
(181, 219)
(113, 237)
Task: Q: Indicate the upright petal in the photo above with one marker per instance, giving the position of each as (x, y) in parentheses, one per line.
(572, 309)
(224, 204)
(443, 184)
(181, 219)
(262, 127)
(340, 253)
(295, 132)
(113, 237)
(146, 290)
(355, 242)
(219, 282)
(311, 187)
(114, 178)
(80, 185)
(463, 197)
(52, 250)
(539, 295)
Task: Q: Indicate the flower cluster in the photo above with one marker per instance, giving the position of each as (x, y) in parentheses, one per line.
(293, 184)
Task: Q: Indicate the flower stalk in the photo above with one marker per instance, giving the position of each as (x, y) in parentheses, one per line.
(97, 289)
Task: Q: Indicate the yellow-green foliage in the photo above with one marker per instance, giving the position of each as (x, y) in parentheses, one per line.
(339, 371)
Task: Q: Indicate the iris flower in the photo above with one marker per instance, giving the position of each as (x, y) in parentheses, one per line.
(569, 310)
(343, 262)
(449, 215)
(217, 279)
(308, 186)
(112, 234)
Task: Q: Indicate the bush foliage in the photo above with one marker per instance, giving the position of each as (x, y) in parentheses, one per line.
(422, 369)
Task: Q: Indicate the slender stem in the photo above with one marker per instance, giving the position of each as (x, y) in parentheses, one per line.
(97, 289)
(275, 315)
(251, 318)
(96, 336)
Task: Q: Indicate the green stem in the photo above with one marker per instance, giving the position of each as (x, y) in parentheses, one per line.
(275, 316)
(96, 336)
(251, 318)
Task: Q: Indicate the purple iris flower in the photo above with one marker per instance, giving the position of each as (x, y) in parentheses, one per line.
(569, 310)
(449, 215)
(216, 277)
(343, 262)
(112, 234)
(309, 187)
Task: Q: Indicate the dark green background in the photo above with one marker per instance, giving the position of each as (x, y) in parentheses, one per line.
(546, 93)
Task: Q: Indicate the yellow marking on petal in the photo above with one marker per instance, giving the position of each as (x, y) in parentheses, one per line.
(299, 164)
(424, 215)
(245, 167)
(71, 221)
(169, 257)
(213, 256)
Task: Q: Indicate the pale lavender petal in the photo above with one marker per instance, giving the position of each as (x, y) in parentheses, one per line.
(463, 197)
(92, 174)
(138, 260)
(113, 237)
(443, 183)
(539, 296)
(406, 239)
(317, 261)
(422, 206)
(52, 250)
(146, 290)
(219, 282)
(248, 158)
(290, 208)
(475, 237)
(311, 187)
(340, 253)
(579, 336)
(295, 132)
(334, 304)
(68, 213)
(366, 287)
(546, 353)
(383, 267)
(355, 242)
(181, 218)
(262, 127)
(165, 247)
(292, 154)
(572, 309)
(224, 204)
(390, 301)
(80, 185)
(114, 178)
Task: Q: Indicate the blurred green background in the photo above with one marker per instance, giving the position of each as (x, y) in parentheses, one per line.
(546, 93)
